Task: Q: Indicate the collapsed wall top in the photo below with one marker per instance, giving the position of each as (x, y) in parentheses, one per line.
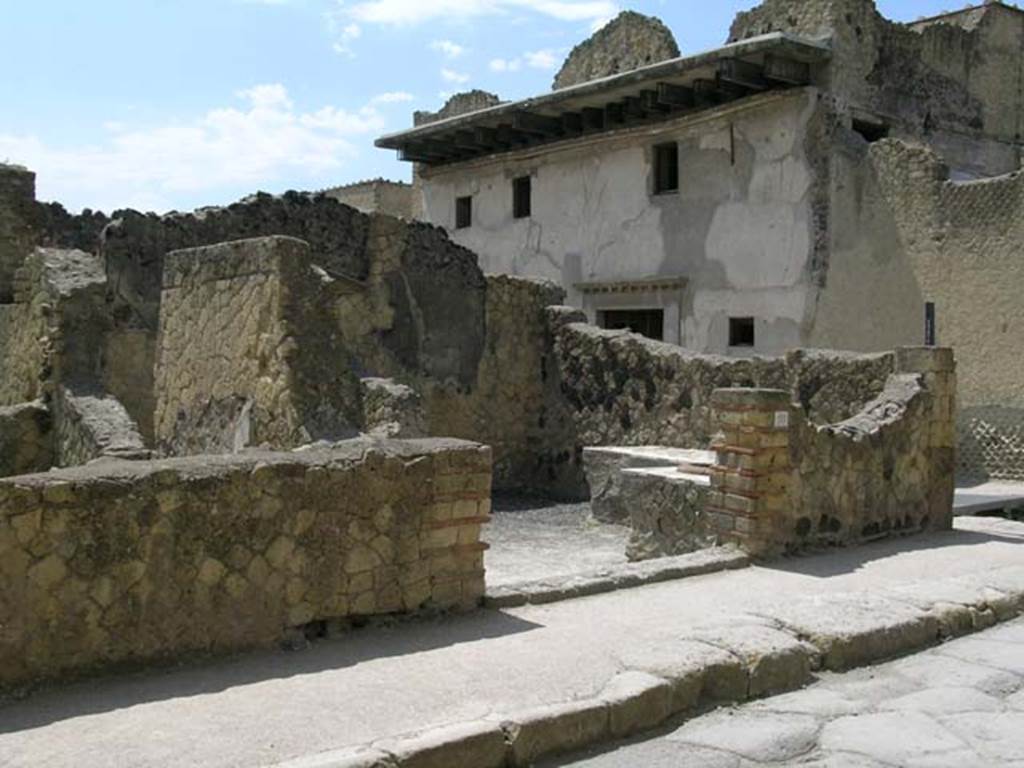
(630, 41)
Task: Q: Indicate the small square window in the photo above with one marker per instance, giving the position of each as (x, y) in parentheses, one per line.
(463, 212)
(666, 168)
(741, 332)
(521, 194)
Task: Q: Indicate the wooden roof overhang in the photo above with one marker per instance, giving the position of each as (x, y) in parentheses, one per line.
(654, 93)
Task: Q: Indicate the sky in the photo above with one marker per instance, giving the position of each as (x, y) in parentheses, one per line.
(175, 104)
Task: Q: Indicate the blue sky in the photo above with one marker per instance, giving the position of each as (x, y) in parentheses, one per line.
(173, 104)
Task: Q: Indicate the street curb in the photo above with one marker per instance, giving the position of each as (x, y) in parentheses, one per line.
(625, 576)
(728, 662)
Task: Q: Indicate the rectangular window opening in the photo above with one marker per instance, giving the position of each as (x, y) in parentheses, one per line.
(463, 212)
(646, 322)
(666, 169)
(741, 332)
(521, 194)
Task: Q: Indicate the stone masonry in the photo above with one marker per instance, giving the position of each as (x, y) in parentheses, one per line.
(751, 482)
(130, 562)
(628, 42)
(783, 483)
(247, 354)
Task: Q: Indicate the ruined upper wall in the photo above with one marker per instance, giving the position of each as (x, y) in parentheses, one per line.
(17, 233)
(954, 84)
(459, 104)
(628, 42)
(134, 245)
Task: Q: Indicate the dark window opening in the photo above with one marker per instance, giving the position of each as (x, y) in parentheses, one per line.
(463, 212)
(666, 168)
(930, 336)
(871, 131)
(741, 331)
(521, 193)
(646, 322)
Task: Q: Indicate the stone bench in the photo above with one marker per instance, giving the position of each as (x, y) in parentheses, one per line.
(604, 465)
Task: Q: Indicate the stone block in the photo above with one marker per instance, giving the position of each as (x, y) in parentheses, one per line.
(556, 729)
(479, 744)
(637, 702)
(925, 360)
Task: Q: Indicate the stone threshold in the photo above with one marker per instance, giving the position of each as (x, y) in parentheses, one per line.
(733, 660)
(613, 578)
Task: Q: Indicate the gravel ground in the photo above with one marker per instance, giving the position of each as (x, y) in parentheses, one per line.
(534, 538)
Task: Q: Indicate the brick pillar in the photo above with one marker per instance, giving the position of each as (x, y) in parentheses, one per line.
(937, 368)
(749, 498)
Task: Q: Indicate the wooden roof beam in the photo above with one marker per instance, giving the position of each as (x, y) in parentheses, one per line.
(538, 125)
(743, 74)
(787, 71)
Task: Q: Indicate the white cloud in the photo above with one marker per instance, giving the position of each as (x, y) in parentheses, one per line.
(263, 139)
(392, 97)
(546, 59)
(601, 22)
(345, 35)
(451, 76)
(505, 65)
(418, 11)
(447, 48)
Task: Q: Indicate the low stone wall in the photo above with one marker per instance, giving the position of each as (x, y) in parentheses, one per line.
(784, 483)
(130, 562)
(26, 439)
(619, 388)
(248, 353)
(91, 425)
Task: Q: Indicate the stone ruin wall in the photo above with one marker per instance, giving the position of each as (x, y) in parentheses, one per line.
(788, 485)
(956, 244)
(247, 354)
(125, 563)
(26, 439)
(619, 388)
(628, 42)
(953, 82)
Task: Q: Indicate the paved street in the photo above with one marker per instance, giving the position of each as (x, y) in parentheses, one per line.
(271, 707)
(957, 706)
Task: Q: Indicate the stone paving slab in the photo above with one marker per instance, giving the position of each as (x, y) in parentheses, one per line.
(913, 712)
(604, 667)
(993, 496)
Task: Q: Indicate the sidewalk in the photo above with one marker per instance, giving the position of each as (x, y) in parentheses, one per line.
(768, 624)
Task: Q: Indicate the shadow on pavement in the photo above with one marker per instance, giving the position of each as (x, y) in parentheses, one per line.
(835, 562)
(198, 677)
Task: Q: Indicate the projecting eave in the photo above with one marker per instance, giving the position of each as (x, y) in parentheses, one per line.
(660, 91)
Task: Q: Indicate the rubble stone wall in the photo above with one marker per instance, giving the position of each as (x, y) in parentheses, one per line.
(135, 244)
(247, 352)
(55, 329)
(953, 81)
(783, 485)
(26, 439)
(133, 562)
(620, 388)
(628, 42)
(93, 424)
(17, 233)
